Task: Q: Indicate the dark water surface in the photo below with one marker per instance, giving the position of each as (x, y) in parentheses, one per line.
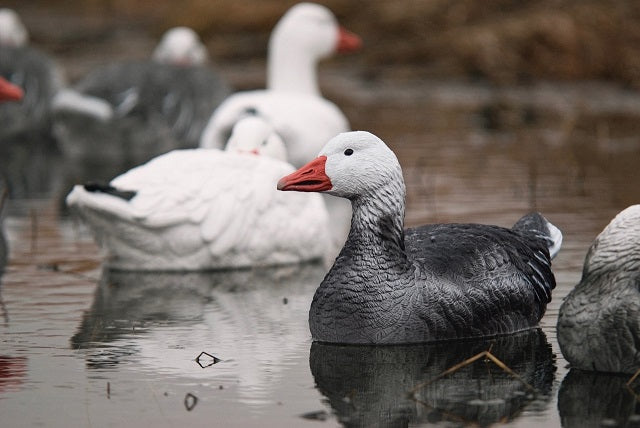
(83, 347)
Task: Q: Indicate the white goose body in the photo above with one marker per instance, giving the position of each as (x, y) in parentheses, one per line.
(292, 101)
(435, 282)
(203, 209)
(599, 320)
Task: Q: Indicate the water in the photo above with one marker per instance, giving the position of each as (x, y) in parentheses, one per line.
(84, 347)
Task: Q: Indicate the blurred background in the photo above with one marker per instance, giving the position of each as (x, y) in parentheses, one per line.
(500, 41)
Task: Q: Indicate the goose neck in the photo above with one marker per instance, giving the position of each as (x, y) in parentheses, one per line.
(290, 70)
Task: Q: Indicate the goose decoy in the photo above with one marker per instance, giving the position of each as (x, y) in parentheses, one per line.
(599, 320)
(203, 209)
(292, 101)
(435, 282)
(9, 91)
(128, 112)
(33, 71)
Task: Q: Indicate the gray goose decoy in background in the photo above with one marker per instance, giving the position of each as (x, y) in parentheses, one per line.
(434, 282)
(33, 71)
(129, 112)
(599, 321)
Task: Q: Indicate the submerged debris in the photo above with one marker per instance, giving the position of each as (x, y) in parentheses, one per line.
(190, 401)
(205, 359)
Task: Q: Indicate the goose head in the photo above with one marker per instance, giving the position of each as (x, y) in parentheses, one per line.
(180, 46)
(617, 247)
(351, 165)
(9, 91)
(253, 134)
(13, 33)
(306, 33)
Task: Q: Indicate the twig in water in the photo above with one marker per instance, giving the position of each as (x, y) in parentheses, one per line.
(630, 381)
(486, 354)
(212, 359)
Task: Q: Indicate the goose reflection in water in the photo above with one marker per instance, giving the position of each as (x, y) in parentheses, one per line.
(254, 320)
(592, 399)
(369, 385)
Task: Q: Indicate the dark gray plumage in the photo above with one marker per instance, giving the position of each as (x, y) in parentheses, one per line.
(153, 108)
(39, 77)
(435, 282)
(599, 320)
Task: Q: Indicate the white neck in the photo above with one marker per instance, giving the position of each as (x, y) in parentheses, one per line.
(291, 70)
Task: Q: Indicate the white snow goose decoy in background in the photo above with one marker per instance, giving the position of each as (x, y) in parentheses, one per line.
(292, 101)
(128, 112)
(203, 209)
(599, 320)
(33, 71)
(434, 282)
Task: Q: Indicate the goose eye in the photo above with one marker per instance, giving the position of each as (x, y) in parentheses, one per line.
(264, 143)
(348, 152)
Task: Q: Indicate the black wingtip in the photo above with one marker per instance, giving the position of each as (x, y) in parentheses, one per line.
(94, 187)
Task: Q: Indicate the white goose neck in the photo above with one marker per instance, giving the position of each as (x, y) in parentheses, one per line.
(290, 69)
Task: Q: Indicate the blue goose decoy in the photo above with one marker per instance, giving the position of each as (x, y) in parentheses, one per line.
(129, 112)
(32, 70)
(435, 282)
(599, 320)
(8, 92)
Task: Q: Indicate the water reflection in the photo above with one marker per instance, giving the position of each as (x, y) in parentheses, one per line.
(254, 320)
(368, 386)
(589, 399)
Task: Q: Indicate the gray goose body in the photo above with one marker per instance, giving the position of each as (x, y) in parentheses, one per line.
(40, 78)
(431, 283)
(157, 107)
(599, 320)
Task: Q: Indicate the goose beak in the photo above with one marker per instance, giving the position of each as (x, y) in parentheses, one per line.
(309, 178)
(9, 91)
(347, 41)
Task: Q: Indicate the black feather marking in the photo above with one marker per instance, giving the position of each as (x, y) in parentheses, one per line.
(94, 187)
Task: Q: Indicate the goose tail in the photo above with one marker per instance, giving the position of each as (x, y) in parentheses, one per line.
(535, 223)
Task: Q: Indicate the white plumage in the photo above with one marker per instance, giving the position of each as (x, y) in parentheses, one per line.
(204, 209)
(292, 101)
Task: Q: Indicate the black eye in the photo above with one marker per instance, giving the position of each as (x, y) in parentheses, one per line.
(348, 152)
(264, 142)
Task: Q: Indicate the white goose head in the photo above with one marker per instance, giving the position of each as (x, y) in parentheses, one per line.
(253, 134)
(9, 91)
(13, 33)
(305, 34)
(350, 165)
(180, 46)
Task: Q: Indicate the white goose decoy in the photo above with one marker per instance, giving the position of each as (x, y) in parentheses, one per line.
(292, 101)
(128, 112)
(205, 209)
(13, 33)
(435, 282)
(599, 320)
